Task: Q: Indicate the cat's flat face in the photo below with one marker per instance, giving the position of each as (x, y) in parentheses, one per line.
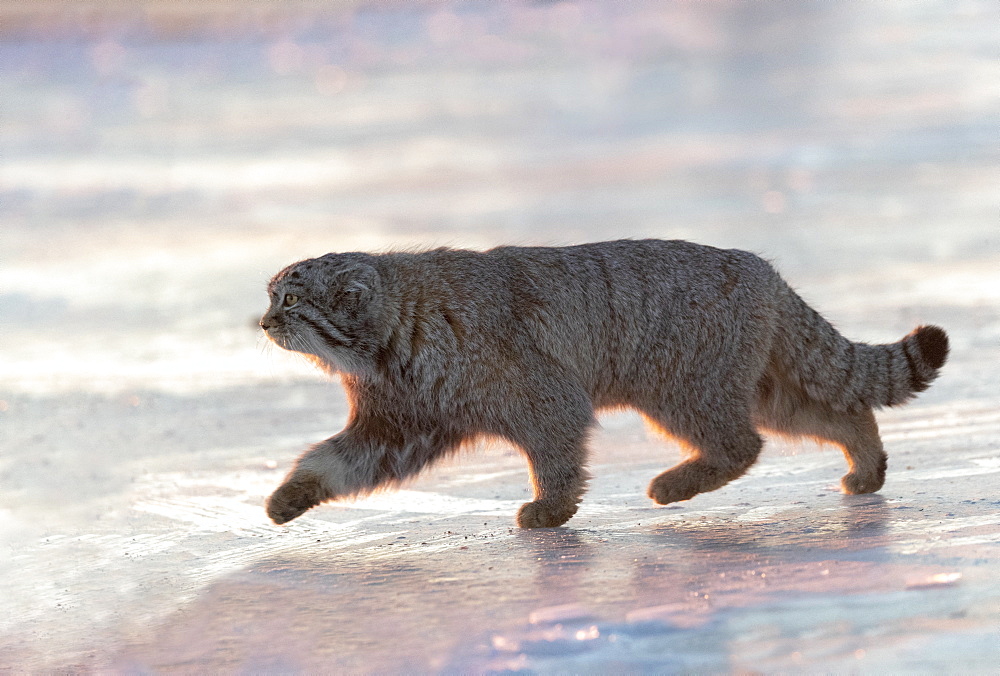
(322, 308)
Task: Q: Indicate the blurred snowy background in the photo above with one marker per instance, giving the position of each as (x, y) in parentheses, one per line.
(160, 160)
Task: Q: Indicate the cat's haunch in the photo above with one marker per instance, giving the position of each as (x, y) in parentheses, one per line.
(438, 348)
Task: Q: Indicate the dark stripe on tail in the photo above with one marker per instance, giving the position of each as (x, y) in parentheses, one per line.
(890, 394)
(916, 385)
(926, 350)
(933, 342)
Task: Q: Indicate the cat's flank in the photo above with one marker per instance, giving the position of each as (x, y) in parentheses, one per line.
(436, 349)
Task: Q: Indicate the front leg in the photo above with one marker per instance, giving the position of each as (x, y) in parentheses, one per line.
(559, 477)
(369, 454)
(342, 466)
(299, 493)
(550, 422)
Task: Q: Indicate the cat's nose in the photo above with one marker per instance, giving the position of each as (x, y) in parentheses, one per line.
(267, 323)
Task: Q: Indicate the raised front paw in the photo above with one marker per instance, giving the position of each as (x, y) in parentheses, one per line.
(294, 497)
(545, 514)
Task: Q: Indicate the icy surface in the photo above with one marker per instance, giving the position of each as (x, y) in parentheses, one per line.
(159, 161)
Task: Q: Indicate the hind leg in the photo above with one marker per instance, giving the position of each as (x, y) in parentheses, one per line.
(856, 432)
(718, 453)
(866, 459)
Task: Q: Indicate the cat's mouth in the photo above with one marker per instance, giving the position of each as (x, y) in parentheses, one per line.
(278, 337)
(296, 342)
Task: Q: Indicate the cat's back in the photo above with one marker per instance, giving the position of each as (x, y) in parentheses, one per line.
(625, 262)
(591, 308)
(626, 282)
(582, 291)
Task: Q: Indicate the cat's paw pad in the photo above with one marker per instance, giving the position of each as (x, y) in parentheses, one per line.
(293, 498)
(544, 514)
(857, 484)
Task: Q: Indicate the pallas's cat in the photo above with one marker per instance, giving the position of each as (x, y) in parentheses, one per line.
(438, 348)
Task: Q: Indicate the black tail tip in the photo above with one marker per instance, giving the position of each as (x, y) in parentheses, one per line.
(933, 343)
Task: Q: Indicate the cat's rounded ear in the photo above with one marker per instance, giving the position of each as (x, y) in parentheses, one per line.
(358, 285)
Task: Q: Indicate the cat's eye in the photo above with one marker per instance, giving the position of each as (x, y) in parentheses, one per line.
(290, 299)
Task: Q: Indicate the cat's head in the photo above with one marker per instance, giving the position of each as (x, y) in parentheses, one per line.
(327, 309)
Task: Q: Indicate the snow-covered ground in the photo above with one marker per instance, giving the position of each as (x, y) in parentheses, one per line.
(158, 162)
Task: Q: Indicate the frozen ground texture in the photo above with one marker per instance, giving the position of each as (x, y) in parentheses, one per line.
(158, 162)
